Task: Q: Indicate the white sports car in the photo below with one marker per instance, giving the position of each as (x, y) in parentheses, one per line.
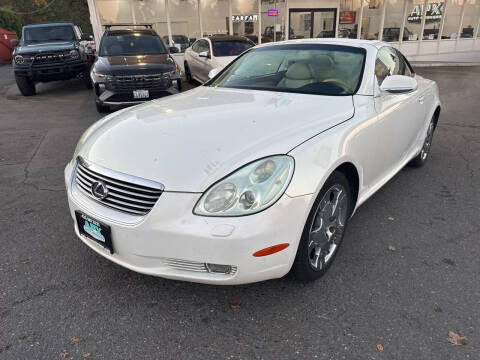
(257, 172)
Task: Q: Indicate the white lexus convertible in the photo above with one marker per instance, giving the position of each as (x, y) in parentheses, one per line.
(257, 172)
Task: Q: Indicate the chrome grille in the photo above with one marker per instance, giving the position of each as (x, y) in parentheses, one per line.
(51, 58)
(195, 266)
(138, 82)
(124, 192)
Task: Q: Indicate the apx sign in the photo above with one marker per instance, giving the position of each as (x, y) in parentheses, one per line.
(433, 13)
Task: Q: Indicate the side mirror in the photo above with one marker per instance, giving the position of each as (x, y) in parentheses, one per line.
(399, 84)
(213, 73)
(14, 42)
(173, 49)
(204, 54)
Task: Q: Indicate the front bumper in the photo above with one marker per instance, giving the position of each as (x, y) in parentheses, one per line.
(110, 96)
(51, 72)
(171, 242)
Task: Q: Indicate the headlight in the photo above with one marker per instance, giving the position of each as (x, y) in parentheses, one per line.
(74, 54)
(97, 74)
(248, 190)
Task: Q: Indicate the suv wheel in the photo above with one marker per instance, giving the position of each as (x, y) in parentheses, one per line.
(188, 74)
(102, 108)
(25, 85)
(86, 79)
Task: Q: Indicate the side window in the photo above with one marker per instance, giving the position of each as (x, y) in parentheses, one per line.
(386, 64)
(405, 67)
(196, 46)
(204, 46)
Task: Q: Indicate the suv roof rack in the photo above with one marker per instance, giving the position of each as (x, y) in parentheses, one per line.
(108, 26)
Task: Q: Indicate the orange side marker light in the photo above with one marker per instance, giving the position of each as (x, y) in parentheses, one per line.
(271, 250)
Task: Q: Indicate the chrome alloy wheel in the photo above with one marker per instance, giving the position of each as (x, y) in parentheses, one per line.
(428, 141)
(327, 227)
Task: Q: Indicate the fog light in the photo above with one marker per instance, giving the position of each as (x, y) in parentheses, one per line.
(216, 268)
(101, 88)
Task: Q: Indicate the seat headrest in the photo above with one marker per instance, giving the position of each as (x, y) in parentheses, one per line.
(298, 71)
(324, 61)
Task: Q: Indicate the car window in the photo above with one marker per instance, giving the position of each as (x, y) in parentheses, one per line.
(196, 46)
(203, 46)
(300, 68)
(405, 67)
(231, 47)
(48, 33)
(131, 45)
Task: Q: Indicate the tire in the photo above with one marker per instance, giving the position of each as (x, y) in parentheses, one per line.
(188, 74)
(102, 108)
(86, 79)
(421, 158)
(179, 85)
(25, 85)
(323, 233)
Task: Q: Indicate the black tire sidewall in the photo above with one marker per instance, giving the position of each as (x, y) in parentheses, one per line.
(188, 74)
(301, 266)
(25, 85)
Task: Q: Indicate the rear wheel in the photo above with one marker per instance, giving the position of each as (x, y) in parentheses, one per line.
(188, 74)
(324, 229)
(421, 158)
(25, 85)
(102, 108)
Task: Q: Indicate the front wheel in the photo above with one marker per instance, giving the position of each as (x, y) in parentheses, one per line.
(25, 85)
(188, 74)
(421, 158)
(324, 230)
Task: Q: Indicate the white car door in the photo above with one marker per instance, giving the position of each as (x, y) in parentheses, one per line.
(205, 62)
(401, 115)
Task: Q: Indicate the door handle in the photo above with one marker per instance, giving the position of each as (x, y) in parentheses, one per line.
(420, 99)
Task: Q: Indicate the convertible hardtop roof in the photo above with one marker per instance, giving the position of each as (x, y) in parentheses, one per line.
(333, 41)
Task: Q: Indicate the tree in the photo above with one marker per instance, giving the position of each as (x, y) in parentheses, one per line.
(10, 21)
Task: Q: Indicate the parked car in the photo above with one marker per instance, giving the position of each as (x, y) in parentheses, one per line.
(393, 34)
(213, 52)
(49, 52)
(180, 41)
(133, 65)
(258, 171)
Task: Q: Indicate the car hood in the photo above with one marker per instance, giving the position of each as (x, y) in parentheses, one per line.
(44, 47)
(190, 140)
(127, 65)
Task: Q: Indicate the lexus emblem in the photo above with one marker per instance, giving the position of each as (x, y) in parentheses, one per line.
(99, 190)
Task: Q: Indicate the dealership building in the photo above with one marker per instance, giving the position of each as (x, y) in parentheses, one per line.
(424, 30)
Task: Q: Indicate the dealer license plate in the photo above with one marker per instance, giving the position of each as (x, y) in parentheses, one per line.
(141, 94)
(94, 230)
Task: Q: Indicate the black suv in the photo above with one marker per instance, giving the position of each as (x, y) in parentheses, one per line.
(49, 52)
(133, 65)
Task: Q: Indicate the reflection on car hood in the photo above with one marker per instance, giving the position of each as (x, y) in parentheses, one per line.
(190, 140)
(127, 65)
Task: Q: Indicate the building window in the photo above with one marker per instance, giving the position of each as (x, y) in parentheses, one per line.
(215, 17)
(348, 18)
(114, 11)
(470, 19)
(393, 21)
(245, 14)
(433, 18)
(413, 23)
(452, 19)
(372, 14)
(274, 26)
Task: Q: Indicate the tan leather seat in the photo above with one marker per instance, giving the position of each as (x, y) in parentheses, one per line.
(297, 75)
(323, 67)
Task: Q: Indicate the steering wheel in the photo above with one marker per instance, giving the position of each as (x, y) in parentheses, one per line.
(340, 82)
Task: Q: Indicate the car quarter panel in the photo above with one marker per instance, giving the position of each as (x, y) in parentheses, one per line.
(353, 141)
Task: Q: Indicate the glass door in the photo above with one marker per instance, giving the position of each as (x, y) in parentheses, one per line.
(312, 23)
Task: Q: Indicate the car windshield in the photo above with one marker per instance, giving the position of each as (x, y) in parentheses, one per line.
(48, 33)
(300, 68)
(230, 47)
(131, 45)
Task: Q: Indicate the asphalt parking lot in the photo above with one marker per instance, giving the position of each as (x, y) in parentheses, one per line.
(407, 274)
